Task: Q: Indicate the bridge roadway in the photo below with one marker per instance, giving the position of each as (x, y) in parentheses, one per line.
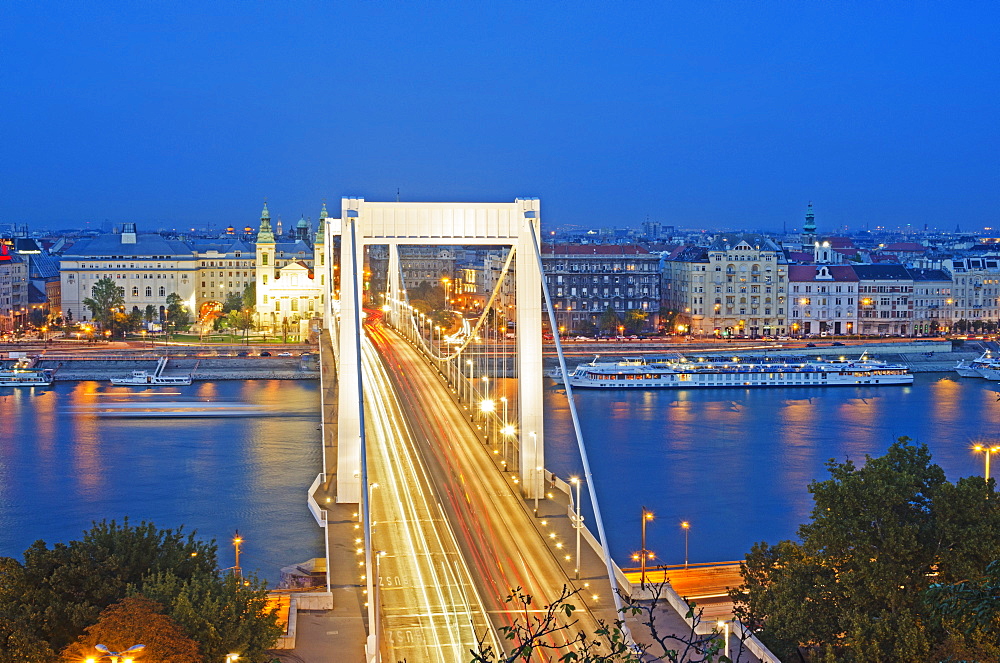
(456, 534)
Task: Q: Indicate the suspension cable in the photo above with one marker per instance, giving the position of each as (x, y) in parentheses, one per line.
(591, 488)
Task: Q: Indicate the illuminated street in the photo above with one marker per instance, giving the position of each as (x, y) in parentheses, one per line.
(495, 534)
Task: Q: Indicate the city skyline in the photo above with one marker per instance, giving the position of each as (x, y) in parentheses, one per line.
(714, 116)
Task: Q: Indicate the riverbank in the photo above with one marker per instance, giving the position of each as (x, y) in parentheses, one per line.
(202, 363)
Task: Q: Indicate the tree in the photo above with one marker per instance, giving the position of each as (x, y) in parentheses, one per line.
(62, 590)
(250, 295)
(106, 299)
(222, 614)
(131, 621)
(969, 611)
(851, 588)
(242, 320)
(149, 313)
(608, 322)
(178, 315)
(635, 321)
(233, 302)
(18, 641)
(550, 633)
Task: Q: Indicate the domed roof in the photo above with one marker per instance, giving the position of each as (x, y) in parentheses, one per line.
(303, 223)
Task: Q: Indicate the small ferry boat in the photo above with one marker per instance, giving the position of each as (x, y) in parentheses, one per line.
(156, 378)
(742, 372)
(984, 366)
(22, 375)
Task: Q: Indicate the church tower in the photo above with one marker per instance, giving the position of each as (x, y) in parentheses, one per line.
(809, 228)
(319, 250)
(265, 266)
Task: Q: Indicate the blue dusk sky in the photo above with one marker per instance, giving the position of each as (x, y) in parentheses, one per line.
(697, 114)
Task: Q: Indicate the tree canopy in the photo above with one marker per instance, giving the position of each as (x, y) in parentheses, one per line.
(50, 599)
(852, 587)
(106, 299)
(135, 621)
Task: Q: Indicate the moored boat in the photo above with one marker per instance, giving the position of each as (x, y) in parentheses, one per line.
(984, 366)
(22, 375)
(156, 378)
(742, 372)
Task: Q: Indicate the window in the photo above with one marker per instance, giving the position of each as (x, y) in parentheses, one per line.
(163, 291)
(263, 258)
(135, 291)
(264, 277)
(149, 291)
(295, 305)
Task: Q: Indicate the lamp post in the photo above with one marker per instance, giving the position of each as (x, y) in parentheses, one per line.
(237, 541)
(534, 475)
(988, 450)
(487, 406)
(232, 657)
(686, 526)
(472, 377)
(578, 522)
(643, 553)
(725, 637)
(117, 656)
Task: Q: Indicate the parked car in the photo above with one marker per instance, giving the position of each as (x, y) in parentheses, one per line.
(285, 354)
(837, 343)
(243, 354)
(265, 353)
(810, 345)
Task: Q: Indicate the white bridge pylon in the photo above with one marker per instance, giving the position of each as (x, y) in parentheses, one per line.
(364, 223)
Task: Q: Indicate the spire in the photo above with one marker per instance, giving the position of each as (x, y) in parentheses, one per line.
(323, 216)
(810, 225)
(265, 236)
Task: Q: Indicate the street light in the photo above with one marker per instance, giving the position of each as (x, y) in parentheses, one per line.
(577, 522)
(487, 406)
(686, 526)
(118, 656)
(725, 637)
(237, 541)
(232, 657)
(643, 554)
(988, 450)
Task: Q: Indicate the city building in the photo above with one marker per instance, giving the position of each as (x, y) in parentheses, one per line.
(736, 286)
(885, 300)
(288, 293)
(586, 280)
(146, 266)
(933, 302)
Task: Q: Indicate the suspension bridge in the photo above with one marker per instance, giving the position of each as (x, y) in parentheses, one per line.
(437, 435)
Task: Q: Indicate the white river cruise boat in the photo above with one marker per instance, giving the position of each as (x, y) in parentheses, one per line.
(742, 372)
(985, 366)
(21, 375)
(156, 378)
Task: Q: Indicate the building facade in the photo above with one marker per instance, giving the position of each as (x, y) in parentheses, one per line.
(885, 300)
(587, 280)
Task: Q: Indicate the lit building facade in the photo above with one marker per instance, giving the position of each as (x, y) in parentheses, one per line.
(585, 280)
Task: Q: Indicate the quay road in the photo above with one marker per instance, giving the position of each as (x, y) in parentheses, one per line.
(500, 544)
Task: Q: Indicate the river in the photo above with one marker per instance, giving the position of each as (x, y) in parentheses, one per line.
(62, 467)
(733, 463)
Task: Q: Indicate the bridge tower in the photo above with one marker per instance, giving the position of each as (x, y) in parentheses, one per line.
(365, 223)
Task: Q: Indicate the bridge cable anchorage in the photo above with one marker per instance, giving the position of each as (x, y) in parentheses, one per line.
(592, 491)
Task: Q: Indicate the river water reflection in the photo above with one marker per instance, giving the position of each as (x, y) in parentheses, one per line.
(736, 463)
(62, 466)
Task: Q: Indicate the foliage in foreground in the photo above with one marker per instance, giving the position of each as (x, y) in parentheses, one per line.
(50, 599)
(552, 634)
(853, 589)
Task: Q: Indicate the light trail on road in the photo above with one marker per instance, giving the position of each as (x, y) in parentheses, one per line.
(494, 528)
(429, 610)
